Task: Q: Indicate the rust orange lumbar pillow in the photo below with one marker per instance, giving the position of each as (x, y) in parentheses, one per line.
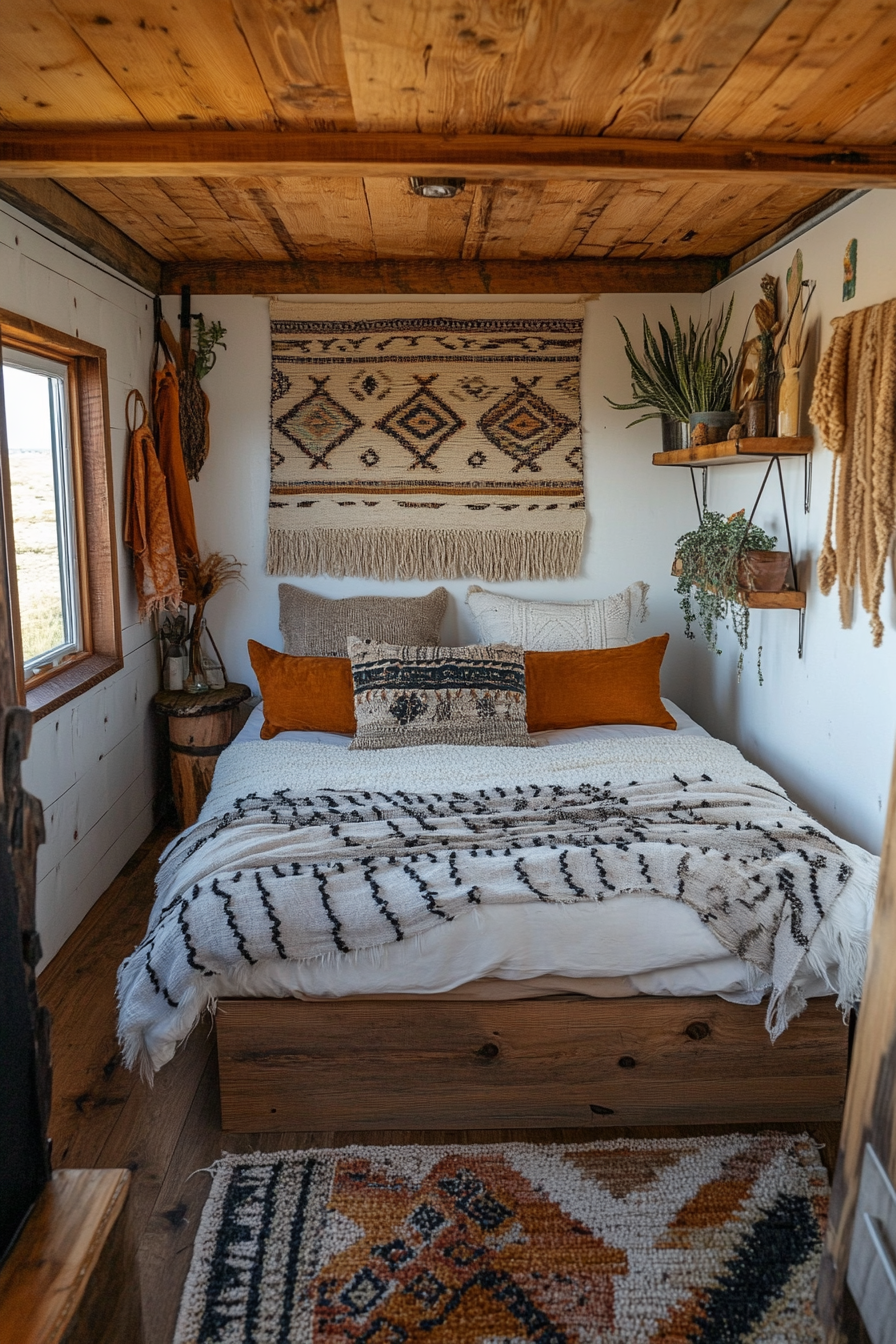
(581, 687)
(306, 695)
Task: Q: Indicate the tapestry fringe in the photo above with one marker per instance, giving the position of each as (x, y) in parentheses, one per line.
(417, 553)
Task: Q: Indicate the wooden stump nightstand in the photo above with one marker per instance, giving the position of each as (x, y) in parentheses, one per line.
(199, 728)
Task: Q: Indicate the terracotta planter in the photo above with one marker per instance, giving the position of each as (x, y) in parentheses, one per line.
(763, 571)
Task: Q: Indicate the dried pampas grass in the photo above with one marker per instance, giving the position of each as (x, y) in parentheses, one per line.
(202, 578)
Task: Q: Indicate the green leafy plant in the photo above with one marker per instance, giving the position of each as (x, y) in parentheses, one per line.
(207, 337)
(707, 562)
(681, 373)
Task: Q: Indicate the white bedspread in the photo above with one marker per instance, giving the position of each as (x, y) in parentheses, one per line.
(662, 946)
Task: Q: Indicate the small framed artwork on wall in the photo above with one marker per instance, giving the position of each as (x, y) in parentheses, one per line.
(849, 270)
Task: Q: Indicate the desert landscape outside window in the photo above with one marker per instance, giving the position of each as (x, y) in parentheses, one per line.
(38, 427)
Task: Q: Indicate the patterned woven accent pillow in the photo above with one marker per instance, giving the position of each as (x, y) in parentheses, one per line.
(318, 627)
(549, 627)
(411, 697)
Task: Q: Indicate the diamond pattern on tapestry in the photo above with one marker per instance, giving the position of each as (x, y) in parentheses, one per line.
(422, 423)
(318, 424)
(454, 425)
(524, 426)
(554, 1243)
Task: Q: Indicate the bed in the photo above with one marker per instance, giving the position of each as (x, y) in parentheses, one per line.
(626, 925)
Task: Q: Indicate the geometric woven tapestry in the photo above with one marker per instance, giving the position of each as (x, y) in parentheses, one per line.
(711, 1240)
(426, 441)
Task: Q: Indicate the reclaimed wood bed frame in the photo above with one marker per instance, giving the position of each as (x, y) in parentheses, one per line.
(420, 1063)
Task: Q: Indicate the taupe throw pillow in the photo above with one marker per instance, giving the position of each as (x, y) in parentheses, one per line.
(317, 627)
(411, 697)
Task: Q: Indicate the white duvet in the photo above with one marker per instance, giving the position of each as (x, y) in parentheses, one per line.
(645, 943)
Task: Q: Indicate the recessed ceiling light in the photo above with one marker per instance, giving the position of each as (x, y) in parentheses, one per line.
(437, 187)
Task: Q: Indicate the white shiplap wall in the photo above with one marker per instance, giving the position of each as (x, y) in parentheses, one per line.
(92, 762)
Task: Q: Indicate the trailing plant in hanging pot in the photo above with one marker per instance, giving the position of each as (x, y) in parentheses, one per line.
(683, 375)
(714, 565)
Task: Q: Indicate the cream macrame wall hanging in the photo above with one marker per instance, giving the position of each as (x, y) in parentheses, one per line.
(434, 440)
(854, 407)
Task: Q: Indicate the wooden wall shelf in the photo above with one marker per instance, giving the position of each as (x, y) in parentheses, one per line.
(786, 601)
(735, 450)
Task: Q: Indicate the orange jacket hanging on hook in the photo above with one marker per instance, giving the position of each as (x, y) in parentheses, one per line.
(147, 525)
(166, 406)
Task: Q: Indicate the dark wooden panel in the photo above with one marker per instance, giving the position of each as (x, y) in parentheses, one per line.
(684, 275)
(368, 1064)
(105, 153)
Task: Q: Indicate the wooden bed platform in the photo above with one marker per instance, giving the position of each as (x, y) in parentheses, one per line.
(452, 1064)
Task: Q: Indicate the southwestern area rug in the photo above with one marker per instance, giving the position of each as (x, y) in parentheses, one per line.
(427, 441)
(711, 1240)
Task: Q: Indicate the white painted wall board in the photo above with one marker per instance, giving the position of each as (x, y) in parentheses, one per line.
(823, 725)
(629, 503)
(92, 762)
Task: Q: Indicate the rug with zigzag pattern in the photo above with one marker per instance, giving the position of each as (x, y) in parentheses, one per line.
(714, 1240)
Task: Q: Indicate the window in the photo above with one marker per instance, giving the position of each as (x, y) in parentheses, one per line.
(60, 557)
(44, 531)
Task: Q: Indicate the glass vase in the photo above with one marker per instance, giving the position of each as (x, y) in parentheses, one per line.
(196, 682)
(212, 663)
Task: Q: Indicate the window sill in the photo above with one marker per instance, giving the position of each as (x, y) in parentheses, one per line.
(69, 682)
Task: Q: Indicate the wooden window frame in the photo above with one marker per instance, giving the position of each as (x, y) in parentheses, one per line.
(91, 452)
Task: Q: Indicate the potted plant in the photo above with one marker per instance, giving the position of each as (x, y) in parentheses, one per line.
(684, 379)
(715, 565)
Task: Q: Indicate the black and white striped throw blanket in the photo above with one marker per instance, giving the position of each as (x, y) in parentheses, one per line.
(294, 874)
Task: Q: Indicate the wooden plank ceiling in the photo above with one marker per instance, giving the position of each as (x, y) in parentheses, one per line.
(818, 71)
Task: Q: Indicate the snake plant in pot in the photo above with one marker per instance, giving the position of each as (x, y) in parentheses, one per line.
(685, 377)
(715, 564)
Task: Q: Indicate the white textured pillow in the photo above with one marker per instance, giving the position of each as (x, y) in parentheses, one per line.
(548, 627)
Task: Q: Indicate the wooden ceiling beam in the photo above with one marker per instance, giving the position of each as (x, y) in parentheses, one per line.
(62, 212)
(104, 153)
(607, 275)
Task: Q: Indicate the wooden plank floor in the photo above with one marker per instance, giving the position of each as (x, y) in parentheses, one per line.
(104, 1116)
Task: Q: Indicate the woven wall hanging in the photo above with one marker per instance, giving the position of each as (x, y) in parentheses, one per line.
(433, 441)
